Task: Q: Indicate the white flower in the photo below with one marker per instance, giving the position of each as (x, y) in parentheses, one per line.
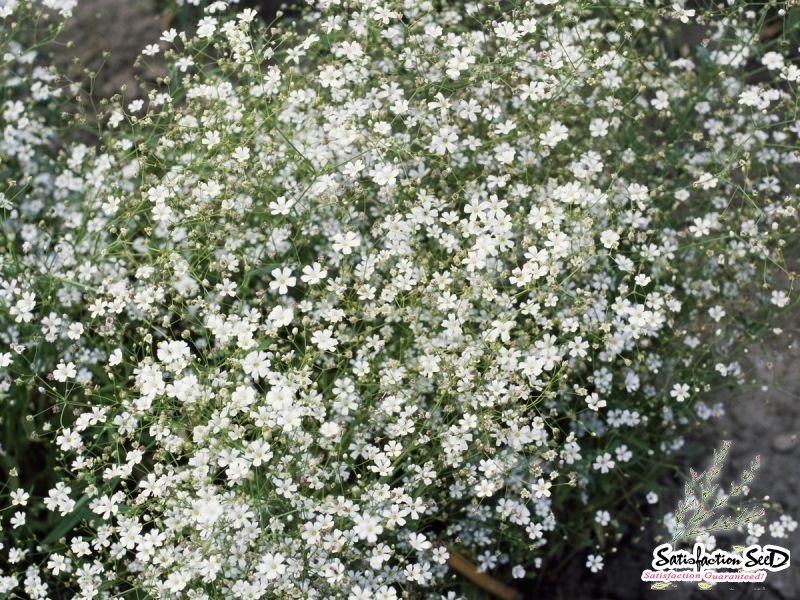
(419, 542)
(18, 520)
(460, 60)
(598, 128)
(603, 463)
(602, 517)
(556, 132)
(151, 50)
(281, 206)
(64, 371)
(256, 364)
(609, 239)
(115, 358)
(136, 105)
(324, 340)
(115, 118)
(680, 391)
(681, 13)
(313, 274)
(773, 61)
(345, 242)
(281, 316)
(22, 311)
(661, 101)
(779, 298)
(788, 523)
(594, 402)
(384, 174)
(716, 313)
(7, 8)
(367, 527)
(206, 27)
(542, 488)
(651, 497)
(428, 365)
(755, 529)
(706, 181)
(623, 453)
(329, 429)
(19, 497)
(271, 566)
(169, 36)
(594, 563)
(283, 280)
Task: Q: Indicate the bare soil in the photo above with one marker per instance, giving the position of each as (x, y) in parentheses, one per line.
(107, 37)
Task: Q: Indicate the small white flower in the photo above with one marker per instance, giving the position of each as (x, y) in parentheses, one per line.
(773, 61)
(206, 27)
(706, 181)
(345, 242)
(271, 566)
(256, 364)
(603, 463)
(368, 527)
(681, 13)
(64, 371)
(594, 402)
(661, 101)
(623, 453)
(419, 542)
(594, 563)
(18, 520)
(779, 298)
(136, 105)
(283, 280)
(609, 239)
(281, 316)
(115, 358)
(542, 488)
(598, 128)
(384, 175)
(169, 36)
(115, 119)
(324, 340)
(680, 391)
(19, 497)
(75, 331)
(329, 429)
(313, 274)
(151, 50)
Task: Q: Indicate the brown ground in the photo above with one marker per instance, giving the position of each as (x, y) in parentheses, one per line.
(108, 36)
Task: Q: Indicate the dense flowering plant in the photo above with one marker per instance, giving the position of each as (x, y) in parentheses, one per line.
(394, 280)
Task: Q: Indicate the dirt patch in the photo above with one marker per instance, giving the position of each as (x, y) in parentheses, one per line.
(107, 37)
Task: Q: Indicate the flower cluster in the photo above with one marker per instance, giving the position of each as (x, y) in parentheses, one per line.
(390, 279)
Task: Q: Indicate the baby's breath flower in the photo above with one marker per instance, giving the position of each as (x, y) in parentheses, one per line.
(594, 563)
